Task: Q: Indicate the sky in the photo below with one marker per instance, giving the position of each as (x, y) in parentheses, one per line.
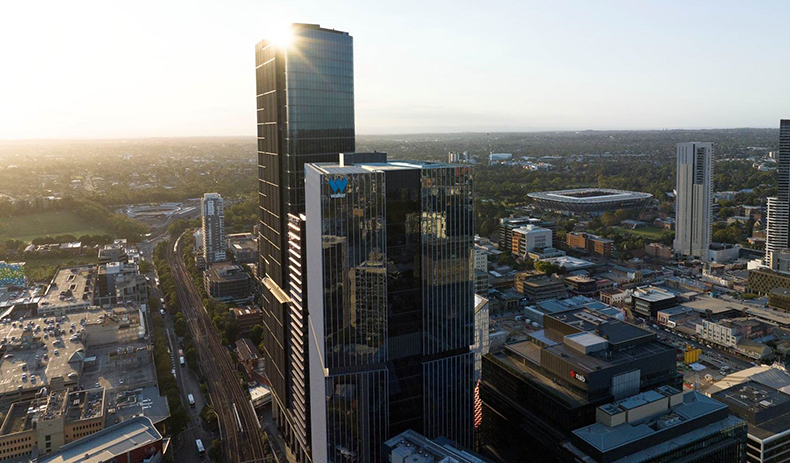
(105, 69)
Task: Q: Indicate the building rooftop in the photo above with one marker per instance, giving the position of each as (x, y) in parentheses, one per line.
(653, 294)
(108, 443)
(765, 409)
(613, 330)
(71, 288)
(605, 438)
(226, 272)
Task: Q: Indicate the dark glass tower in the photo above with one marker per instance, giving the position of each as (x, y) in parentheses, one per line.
(391, 304)
(305, 113)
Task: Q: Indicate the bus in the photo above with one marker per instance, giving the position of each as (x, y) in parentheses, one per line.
(201, 450)
(191, 400)
(181, 360)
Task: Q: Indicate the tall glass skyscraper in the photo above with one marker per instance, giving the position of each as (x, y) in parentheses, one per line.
(777, 234)
(391, 305)
(305, 113)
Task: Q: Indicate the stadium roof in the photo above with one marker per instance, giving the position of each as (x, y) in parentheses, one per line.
(590, 199)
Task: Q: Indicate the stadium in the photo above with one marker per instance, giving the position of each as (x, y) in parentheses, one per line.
(590, 200)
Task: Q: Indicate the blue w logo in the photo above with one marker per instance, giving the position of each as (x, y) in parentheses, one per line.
(338, 184)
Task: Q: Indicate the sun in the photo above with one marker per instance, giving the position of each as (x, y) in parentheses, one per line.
(281, 34)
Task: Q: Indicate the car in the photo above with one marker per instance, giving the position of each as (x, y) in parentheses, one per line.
(32, 379)
(121, 381)
(56, 352)
(8, 356)
(24, 376)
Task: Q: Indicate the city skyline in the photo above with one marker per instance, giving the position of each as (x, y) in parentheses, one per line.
(583, 66)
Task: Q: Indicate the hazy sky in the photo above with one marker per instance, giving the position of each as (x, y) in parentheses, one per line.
(79, 69)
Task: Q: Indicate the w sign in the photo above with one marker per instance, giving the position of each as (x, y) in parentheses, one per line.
(338, 186)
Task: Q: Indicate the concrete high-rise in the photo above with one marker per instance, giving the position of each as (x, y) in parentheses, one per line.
(213, 217)
(694, 198)
(777, 237)
(305, 113)
(391, 305)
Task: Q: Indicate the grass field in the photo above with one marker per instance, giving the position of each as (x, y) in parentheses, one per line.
(647, 232)
(49, 223)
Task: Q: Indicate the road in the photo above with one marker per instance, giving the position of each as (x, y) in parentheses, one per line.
(719, 356)
(239, 426)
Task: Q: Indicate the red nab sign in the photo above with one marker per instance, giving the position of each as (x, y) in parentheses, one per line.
(578, 376)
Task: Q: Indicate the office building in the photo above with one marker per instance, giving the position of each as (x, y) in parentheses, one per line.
(694, 187)
(244, 247)
(228, 283)
(528, 238)
(591, 243)
(305, 113)
(213, 215)
(508, 224)
(391, 305)
(538, 286)
(759, 396)
(646, 302)
(777, 236)
(661, 426)
(536, 392)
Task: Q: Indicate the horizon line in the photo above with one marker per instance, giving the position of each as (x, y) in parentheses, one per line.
(379, 134)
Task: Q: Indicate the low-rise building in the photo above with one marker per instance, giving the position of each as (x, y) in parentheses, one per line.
(662, 425)
(613, 296)
(243, 247)
(246, 318)
(779, 298)
(648, 301)
(118, 283)
(581, 285)
(538, 286)
(228, 283)
(132, 441)
(588, 242)
(659, 251)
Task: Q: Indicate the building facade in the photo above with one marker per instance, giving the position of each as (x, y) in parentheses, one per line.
(777, 235)
(694, 199)
(213, 215)
(530, 237)
(391, 306)
(305, 113)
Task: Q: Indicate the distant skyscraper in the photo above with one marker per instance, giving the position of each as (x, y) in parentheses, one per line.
(213, 228)
(305, 101)
(777, 237)
(391, 305)
(694, 199)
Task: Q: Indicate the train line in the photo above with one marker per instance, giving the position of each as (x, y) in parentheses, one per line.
(243, 438)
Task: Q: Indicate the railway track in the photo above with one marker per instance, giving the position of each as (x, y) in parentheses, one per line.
(240, 429)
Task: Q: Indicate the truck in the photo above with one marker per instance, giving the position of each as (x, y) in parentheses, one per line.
(181, 361)
(191, 400)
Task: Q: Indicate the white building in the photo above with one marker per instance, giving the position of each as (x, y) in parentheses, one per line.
(213, 212)
(719, 333)
(482, 342)
(531, 237)
(694, 196)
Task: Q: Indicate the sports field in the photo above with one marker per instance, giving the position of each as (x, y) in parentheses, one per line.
(48, 223)
(648, 232)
